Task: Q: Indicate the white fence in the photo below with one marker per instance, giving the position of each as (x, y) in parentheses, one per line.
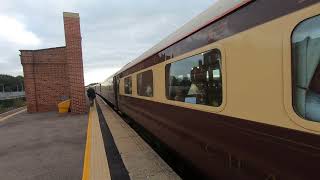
(11, 95)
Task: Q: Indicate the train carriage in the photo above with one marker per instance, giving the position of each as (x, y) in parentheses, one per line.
(236, 91)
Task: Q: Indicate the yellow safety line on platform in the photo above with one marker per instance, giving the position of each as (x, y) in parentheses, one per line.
(87, 155)
(11, 115)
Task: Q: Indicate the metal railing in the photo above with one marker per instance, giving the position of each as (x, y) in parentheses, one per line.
(11, 95)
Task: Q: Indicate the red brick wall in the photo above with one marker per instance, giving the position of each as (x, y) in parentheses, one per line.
(74, 61)
(55, 73)
(45, 78)
(29, 80)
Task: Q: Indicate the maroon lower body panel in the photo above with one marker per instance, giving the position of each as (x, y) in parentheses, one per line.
(225, 147)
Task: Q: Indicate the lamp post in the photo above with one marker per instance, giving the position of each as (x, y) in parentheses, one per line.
(2, 87)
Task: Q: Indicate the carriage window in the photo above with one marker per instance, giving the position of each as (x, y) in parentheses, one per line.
(145, 83)
(128, 85)
(306, 69)
(196, 79)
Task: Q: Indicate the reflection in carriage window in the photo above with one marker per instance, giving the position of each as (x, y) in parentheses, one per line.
(128, 85)
(196, 79)
(306, 69)
(145, 83)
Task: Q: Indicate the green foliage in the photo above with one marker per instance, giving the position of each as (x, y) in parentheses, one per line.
(6, 105)
(10, 83)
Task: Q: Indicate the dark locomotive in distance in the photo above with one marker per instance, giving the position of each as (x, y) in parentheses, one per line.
(236, 91)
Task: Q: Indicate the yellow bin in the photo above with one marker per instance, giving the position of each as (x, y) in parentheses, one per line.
(64, 106)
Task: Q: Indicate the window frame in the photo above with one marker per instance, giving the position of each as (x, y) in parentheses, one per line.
(124, 85)
(201, 107)
(306, 125)
(167, 80)
(137, 84)
(293, 72)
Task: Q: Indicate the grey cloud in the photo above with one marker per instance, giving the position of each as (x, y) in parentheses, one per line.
(114, 32)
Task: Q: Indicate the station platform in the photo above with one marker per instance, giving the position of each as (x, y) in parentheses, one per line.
(95, 146)
(115, 151)
(41, 146)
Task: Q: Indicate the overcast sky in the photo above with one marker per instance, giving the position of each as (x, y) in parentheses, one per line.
(114, 32)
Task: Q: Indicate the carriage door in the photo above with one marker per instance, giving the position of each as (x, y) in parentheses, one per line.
(116, 82)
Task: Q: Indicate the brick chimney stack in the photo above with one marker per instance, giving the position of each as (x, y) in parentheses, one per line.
(74, 63)
(54, 74)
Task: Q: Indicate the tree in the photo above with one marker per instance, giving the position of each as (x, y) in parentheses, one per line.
(11, 83)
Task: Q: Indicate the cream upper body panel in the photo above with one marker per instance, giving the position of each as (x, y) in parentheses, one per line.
(256, 72)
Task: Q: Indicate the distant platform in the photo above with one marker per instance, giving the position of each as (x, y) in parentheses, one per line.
(11, 95)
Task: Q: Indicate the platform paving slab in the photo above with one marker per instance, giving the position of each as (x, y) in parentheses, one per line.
(42, 146)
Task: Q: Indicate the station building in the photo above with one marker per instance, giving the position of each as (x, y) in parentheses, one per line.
(55, 74)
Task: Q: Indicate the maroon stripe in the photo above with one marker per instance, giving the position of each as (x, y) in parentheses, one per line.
(253, 14)
(207, 140)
